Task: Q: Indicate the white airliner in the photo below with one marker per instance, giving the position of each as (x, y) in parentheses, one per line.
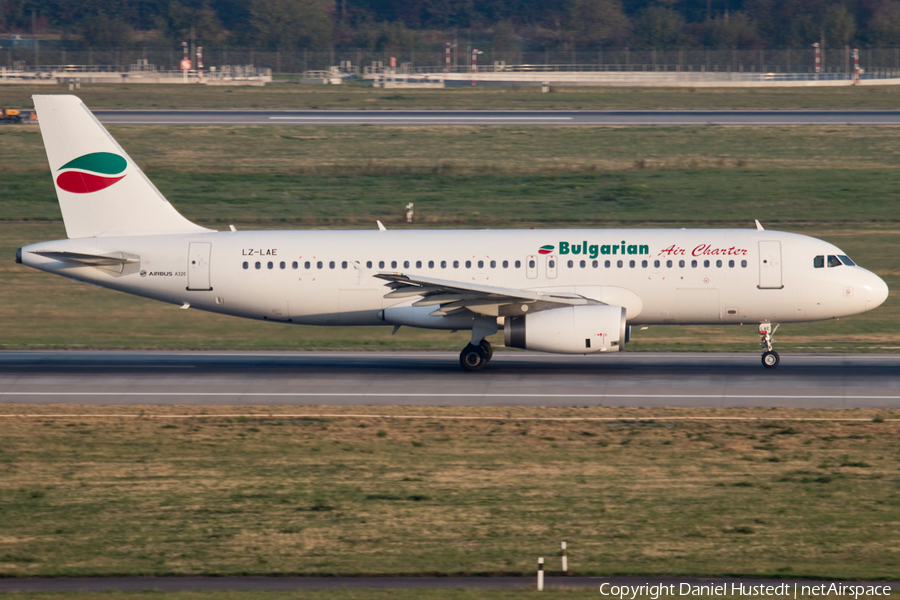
(572, 291)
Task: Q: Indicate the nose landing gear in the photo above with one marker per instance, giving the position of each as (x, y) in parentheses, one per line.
(770, 358)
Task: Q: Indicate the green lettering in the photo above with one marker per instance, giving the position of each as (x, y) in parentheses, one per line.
(564, 247)
(594, 250)
(615, 249)
(644, 249)
(576, 248)
(604, 249)
(632, 249)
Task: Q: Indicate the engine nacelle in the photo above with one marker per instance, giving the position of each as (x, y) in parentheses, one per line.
(569, 330)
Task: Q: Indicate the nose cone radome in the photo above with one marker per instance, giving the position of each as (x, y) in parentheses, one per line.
(876, 291)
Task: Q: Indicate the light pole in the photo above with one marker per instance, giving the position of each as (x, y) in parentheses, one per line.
(475, 54)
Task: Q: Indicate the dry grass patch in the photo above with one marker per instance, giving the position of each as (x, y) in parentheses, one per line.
(662, 491)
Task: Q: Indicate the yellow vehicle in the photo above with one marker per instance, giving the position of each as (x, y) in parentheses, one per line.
(10, 115)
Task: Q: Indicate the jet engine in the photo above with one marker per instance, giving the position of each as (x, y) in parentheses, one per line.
(569, 330)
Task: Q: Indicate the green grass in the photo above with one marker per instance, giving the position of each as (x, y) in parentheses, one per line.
(360, 96)
(278, 495)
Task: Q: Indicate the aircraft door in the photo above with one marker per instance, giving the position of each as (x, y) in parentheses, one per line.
(198, 266)
(531, 268)
(770, 265)
(552, 265)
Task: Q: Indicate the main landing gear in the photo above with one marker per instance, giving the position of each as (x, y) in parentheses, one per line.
(770, 358)
(478, 353)
(475, 358)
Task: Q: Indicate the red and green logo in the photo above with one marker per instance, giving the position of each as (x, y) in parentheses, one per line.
(546, 249)
(91, 173)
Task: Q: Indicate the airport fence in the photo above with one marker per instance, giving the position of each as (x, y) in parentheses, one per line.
(47, 57)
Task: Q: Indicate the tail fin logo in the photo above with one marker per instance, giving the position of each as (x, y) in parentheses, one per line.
(91, 172)
(546, 249)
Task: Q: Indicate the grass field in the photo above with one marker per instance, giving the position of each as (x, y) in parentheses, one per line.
(831, 182)
(361, 96)
(278, 494)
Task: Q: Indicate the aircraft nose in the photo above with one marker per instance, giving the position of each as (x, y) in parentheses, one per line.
(876, 291)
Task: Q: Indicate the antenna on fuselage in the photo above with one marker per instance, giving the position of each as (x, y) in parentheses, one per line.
(758, 226)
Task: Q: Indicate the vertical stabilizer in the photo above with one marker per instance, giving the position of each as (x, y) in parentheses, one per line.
(101, 191)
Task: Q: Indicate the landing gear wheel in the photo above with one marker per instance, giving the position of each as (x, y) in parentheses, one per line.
(473, 358)
(488, 349)
(770, 359)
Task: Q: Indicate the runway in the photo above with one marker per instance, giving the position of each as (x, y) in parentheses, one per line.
(499, 117)
(178, 584)
(436, 379)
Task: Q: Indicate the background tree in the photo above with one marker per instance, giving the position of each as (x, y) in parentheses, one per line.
(658, 27)
(597, 23)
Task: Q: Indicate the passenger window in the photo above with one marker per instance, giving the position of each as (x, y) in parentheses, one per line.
(530, 264)
(393, 264)
(582, 264)
(380, 264)
(693, 264)
(620, 264)
(468, 264)
(418, 264)
(344, 264)
(493, 264)
(743, 264)
(282, 265)
(731, 263)
(405, 264)
(258, 265)
(480, 264)
(368, 264)
(430, 264)
(846, 260)
(681, 263)
(270, 264)
(607, 264)
(570, 264)
(331, 265)
(246, 265)
(306, 265)
(551, 264)
(319, 264)
(706, 263)
(455, 264)
(669, 264)
(595, 264)
(443, 264)
(295, 264)
(833, 261)
(644, 263)
(505, 264)
(718, 263)
(518, 264)
(631, 263)
(655, 264)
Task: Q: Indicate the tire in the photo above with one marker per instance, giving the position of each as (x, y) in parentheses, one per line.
(488, 349)
(473, 358)
(770, 359)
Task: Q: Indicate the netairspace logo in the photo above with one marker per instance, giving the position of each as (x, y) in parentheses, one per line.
(655, 592)
(91, 172)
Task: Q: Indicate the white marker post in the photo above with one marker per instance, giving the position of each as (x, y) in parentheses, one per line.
(541, 574)
(565, 560)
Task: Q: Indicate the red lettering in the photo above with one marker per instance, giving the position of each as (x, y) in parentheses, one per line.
(700, 250)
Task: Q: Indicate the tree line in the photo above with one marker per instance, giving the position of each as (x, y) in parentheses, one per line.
(503, 25)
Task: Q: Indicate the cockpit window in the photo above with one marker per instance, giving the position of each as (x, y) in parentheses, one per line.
(833, 261)
(846, 260)
(819, 262)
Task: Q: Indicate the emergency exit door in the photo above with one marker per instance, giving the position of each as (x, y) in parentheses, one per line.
(198, 266)
(770, 266)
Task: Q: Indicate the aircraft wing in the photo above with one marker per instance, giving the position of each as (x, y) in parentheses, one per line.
(451, 296)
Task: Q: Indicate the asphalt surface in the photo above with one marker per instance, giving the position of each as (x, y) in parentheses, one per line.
(436, 379)
(175, 584)
(500, 117)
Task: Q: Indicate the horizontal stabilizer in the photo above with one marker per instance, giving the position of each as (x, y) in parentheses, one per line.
(94, 260)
